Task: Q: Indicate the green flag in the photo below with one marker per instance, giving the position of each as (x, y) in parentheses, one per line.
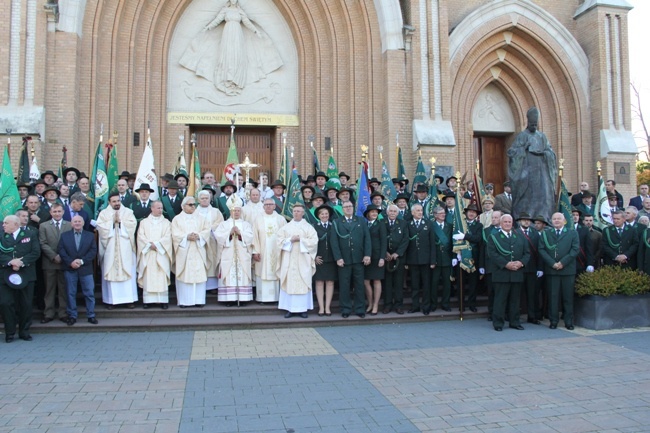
(99, 188)
(602, 210)
(195, 173)
(181, 165)
(564, 204)
(462, 246)
(285, 171)
(333, 172)
(420, 173)
(294, 195)
(64, 162)
(315, 161)
(232, 160)
(401, 171)
(113, 173)
(9, 198)
(23, 164)
(387, 188)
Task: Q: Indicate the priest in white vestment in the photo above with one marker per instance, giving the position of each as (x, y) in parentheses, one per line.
(190, 235)
(266, 253)
(254, 208)
(116, 226)
(235, 237)
(298, 243)
(214, 218)
(155, 257)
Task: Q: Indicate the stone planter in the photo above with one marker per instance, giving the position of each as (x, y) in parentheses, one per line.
(614, 312)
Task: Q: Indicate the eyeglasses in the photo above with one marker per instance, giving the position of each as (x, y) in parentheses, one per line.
(190, 204)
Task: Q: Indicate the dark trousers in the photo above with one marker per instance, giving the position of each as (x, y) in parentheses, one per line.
(440, 275)
(560, 287)
(470, 283)
(87, 288)
(351, 276)
(55, 290)
(394, 288)
(506, 295)
(532, 286)
(16, 306)
(420, 284)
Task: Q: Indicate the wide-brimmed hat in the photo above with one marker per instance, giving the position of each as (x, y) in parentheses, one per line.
(168, 177)
(173, 185)
(24, 185)
(377, 194)
(278, 183)
(228, 183)
(473, 207)
(440, 179)
(421, 188)
(586, 193)
(304, 187)
(51, 188)
(77, 172)
(348, 190)
(125, 174)
(488, 198)
(449, 193)
(144, 187)
(326, 207)
(51, 173)
(374, 180)
(399, 181)
(449, 178)
(317, 196)
(575, 209)
(39, 182)
(342, 174)
(309, 178)
(369, 208)
(540, 218)
(401, 197)
(182, 175)
(524, 216)
(321, 174)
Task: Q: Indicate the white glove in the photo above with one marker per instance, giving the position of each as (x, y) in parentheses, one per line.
(459, 257)
(540, 274)
(590, 268)
(458, 236)
(454, 262)
(481, 271)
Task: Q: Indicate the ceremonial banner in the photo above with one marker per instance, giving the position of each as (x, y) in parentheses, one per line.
(401, 171)
(462, 246)
(479, 190)
(147, 171)
(294, 195)
(333, 172)
(113, 172)
(564, 205)
(64, 163)
(420, 174)
(9, 197)
(285, 171)
(603, 213)
(23, 164)
(34, 172)
(181, 165)
(99, 189)
(362, 194)
(387, 188)
(232, 160)
(195, 173)
(315, 161)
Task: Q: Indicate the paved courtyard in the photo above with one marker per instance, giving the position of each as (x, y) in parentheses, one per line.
(433, 377)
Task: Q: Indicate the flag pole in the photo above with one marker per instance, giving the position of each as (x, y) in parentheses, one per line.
(8, 130)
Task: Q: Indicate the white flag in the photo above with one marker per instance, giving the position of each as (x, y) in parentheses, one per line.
(34, 172)
(147, 172)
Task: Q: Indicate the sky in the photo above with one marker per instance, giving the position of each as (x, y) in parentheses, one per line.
(638, 38)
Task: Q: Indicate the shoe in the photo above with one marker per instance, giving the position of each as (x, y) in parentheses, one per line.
(570, 327)
(414, 310)
(399, 311)
(386, 311)
(498, 329)
(373, 313)
(130, 306)
(200, 305)
(553, 326)
(46, 320)
(425, 312)
(288, 315)
(26, 337)
(164, 306)
(93, 320)
(304, 315)
(345, 315)
(534, 321)
(145, 306)
(362, 315)
(64, 319)
(9, 338)
(328, 314)
(473, 309)
(321, 314)
(446, 308)
(517, 327)
(71, 321)
(110, 307)
(183, 306)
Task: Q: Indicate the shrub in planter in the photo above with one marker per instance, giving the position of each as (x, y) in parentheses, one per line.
(612, 280)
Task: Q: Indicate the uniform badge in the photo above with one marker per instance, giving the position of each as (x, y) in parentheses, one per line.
(25, 241)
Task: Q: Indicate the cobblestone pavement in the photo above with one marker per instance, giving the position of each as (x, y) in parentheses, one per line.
(431, 377)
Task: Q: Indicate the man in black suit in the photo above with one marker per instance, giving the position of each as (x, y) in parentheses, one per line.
(619, 243)
(486, 265)
(37, 214)
(172, 201)
(123, 189)
(637, 201)
(534, 271)
(19, 251)
(474, 235)
(77, 202)
(142, 208)
(398, 241)
(351, 248)
(510, 254)
(585, 259)
(77, 249)
(420, 257)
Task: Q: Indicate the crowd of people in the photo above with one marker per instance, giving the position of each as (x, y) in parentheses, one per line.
(233, 239)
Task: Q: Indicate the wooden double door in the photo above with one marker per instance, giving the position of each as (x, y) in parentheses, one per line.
(493, 159)
(213, 143)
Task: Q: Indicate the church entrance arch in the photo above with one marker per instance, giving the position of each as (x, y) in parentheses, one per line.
(213, 142)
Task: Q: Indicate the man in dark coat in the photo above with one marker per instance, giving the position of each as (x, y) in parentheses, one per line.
(474, 235)
(534, 271)
(420, 257)
(398, 241)
(19, 251)
(445, 261)
(351, 247)
(510, 254)
(559, 249)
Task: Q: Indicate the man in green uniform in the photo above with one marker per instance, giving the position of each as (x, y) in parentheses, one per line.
(445, 260)
(398, 241)
(559, 249)
(420, 258)
(619, 243)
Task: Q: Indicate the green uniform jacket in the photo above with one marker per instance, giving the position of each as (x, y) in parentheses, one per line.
(26, 246)
(422, 244)
(397, 237)
(613, 244)
(350, 241)
(564, 249)
(444, 243)
(502, 250)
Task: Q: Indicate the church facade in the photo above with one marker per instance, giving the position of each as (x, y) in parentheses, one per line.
(446, 79)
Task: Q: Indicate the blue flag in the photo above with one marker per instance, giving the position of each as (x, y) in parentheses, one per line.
(363, 194)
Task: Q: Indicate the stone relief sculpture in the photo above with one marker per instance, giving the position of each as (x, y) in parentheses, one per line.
(532, 170)
(231, 52)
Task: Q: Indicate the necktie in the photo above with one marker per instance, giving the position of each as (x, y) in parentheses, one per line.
(392, 223)
(620, 231)
(77, 239)
(65, 202)
(508, 234)
(144, 204)
(349, 220)
(369, 223)
(171, 200)
(122, 198)
(557, 232)
(526, 232)
(508, 196)
(56, 223)
(442, 226)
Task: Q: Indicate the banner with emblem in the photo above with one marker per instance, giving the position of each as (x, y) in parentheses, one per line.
(602, 211)
(194, 186)
(420, 174)
(333, 172)
(232, 161)
(564, 205)
(99, 187)
(284, 175)
(147, 171)
(462, 247)
(294, 195)
(23, 163)
(362, 193)
(9, 197)
(387, 188)
(113, 172)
